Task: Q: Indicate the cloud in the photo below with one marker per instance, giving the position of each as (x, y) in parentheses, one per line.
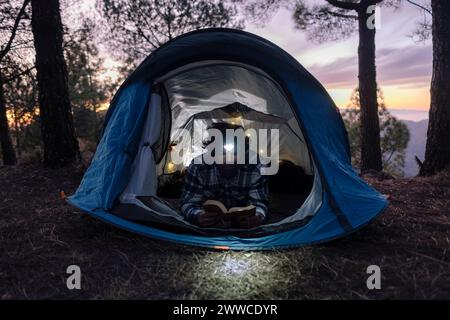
(408, 66)
(340, 73)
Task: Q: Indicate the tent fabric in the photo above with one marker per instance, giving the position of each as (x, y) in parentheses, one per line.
(198, 95)
(143, 177)
(108, 173)
(348, 203)
(205, 88)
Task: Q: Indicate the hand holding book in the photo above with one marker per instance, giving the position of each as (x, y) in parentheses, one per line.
(235, 217)
(228, 214)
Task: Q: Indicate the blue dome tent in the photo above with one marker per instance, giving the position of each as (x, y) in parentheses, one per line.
(184, 84)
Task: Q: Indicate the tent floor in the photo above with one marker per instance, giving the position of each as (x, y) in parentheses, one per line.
(284, 200)
(281, 205)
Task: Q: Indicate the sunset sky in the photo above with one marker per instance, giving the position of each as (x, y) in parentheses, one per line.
(403, 66)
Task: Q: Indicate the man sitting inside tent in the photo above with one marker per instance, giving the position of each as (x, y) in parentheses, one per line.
(234, 185)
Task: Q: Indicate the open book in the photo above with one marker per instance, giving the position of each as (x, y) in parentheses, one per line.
(219, 207)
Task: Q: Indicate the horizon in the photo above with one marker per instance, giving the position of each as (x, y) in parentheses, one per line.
(409, 114)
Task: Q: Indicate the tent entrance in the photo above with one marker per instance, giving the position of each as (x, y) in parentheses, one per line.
(187, 101)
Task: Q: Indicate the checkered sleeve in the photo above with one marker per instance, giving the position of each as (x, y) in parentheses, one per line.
(259, 193)
(192, 196)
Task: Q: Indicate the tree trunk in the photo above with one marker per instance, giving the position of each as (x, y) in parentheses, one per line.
(58, 134)
(370, 126)
(17, 134)
(437, 153)
(8, 153)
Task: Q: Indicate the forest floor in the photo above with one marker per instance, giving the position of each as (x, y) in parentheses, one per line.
(41, 235)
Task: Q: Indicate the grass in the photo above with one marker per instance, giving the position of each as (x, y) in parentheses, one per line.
(40, 235)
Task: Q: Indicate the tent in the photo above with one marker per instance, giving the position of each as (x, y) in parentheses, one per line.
(223, 75)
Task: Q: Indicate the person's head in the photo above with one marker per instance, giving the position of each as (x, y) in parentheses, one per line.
(232, 140)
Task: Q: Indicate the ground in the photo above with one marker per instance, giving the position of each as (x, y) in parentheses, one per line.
(40, 235)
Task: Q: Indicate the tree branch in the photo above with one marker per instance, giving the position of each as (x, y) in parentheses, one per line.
(420, 6)
(340, 15)
(15, 76)
(14, 30)
(149, 28)
(344, 5)
(390, 156)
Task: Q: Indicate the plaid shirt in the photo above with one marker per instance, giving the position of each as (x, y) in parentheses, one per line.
(203, 182)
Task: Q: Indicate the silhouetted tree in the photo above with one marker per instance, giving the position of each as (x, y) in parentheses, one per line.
(8, 153)
(437, 152)
(334, 20)
(394, 134)
(139, 27)
(12, 15)
(423, 29)
(58, 134)
(21, 100)
(89, 88)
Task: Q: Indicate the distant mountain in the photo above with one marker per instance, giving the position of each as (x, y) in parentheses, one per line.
(416, 145)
